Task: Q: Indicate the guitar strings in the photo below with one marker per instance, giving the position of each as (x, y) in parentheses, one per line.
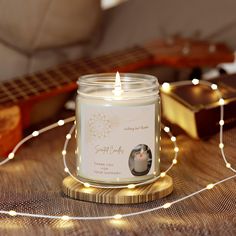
(210, 186)
(122, 58)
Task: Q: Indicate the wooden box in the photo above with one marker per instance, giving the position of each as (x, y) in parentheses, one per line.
(196, 109)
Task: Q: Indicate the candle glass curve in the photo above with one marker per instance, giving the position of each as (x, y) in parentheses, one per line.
(118, 133)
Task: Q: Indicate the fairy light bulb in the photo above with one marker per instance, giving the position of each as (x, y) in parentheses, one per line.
(221, 122)
(35, 133)
(65, 217)
(221, 145)
(214, 87)
(167, 205)
(228, 165)
(61, 122)
(86, 185)
(12, 213)
(176, 149)
(68, 136)
(167, 129)
(63, 152)
(117, 216)
(221, 101)
(130, 186)
(174, 161)
(11, 155)
(66, 169)
(195, 81)
(165, 87)
(163, 174)
(118, 88)
(210, 186)
(173, 138)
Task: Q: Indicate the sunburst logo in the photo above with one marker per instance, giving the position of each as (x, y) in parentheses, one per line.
(99, 125)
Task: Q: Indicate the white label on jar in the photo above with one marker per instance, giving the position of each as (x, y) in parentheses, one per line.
(117, 141)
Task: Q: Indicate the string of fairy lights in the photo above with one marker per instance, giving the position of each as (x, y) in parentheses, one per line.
(165, 87)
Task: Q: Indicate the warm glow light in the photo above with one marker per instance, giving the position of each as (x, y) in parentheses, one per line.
(176, 149)
(210, 186)
(131, 186)
(118, 89)
(63, 152)
(173, 139)
(195, 81)
(165, 87)
(167, 205)
(12, 213)
(167, 129)
(87, 185)
(221, 145)
(221, 101)
(11, 155)
(65, 217)
(163, 174)
(35, 133)
(61, 122)
(174, 161)
(228, 165)
(117, 216)
(221, 122)
(214, 86)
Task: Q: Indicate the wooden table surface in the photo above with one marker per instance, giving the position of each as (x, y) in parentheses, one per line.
(32, 183)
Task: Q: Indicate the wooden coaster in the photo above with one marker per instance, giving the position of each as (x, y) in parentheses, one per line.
(146, 193)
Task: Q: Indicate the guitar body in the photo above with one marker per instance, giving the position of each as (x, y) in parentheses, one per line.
(30, 99)
(10, 128)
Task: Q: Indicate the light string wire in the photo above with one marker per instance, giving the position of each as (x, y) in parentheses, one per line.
(165, 87)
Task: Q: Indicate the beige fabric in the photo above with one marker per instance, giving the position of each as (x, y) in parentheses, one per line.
(139, 21)
(12, 62)
(48, 58)
(37, 34)
(32, 24)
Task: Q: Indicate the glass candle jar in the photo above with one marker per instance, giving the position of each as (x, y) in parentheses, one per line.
(118, 128)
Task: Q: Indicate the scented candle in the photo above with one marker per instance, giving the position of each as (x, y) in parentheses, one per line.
(141, 161)
(118, 118)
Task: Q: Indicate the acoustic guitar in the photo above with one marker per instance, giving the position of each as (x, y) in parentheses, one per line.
(20, 96)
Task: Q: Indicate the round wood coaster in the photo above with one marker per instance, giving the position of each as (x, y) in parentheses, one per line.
(159, 189)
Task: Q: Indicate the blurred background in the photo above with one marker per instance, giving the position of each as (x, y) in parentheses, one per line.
(35, 35)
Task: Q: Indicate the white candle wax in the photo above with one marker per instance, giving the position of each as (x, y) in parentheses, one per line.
(141, 161)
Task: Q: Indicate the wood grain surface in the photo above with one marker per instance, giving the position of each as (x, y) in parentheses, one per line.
(159, 189)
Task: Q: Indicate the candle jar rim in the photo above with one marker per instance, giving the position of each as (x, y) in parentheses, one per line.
(108, 79)
(131, 83)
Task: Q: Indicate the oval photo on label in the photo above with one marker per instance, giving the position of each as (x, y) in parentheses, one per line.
(140, 160)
